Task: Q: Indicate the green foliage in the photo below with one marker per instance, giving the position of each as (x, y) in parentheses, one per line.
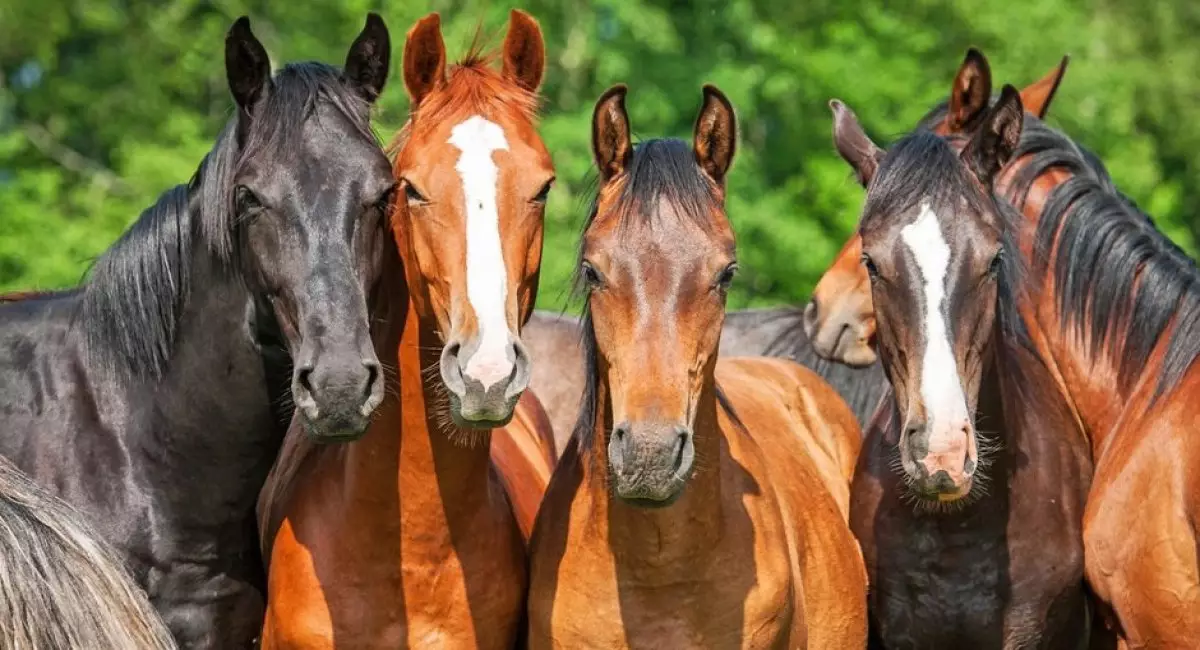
(105, 105)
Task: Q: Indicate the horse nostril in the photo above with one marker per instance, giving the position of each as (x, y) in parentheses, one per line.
(304, 378)
(372, 377)
(680, 448)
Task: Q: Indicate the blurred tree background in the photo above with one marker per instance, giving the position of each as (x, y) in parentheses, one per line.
(103, 105)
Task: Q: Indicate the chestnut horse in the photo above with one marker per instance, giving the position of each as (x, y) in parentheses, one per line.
(839, 318)
(700, 503)
(976, 542)
(407, 537)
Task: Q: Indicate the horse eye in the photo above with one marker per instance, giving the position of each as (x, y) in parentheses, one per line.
(412, 194)
(246, 201)
(544, 193)
(726, 277)
(385, 200)
(994, 267)
(872, 270)
(591, 276)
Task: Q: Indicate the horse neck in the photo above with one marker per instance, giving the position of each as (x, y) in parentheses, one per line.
(665, 541)
(1086, 382)
(411, 447)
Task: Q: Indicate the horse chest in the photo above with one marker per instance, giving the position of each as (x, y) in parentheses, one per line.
(940, 585)
(728, 600)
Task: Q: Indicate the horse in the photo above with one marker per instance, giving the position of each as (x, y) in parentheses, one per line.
(148, 397)
(811, 335)
(408, 537)
(977, 540)
(63, 586)
(1095, 260)
(839, 318)
(701, 502)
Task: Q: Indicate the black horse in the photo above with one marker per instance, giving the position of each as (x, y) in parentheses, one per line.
(154, 397)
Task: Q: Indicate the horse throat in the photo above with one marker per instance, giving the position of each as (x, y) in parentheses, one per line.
(663, 542)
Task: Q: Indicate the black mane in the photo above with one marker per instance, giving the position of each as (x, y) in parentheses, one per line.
(1121, 283)
(133, 298)
(659, 170)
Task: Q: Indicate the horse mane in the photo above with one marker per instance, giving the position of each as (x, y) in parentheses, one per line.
(133, 298)
(63, 586)
(472, 86)
(659, 170)
(1122, 284)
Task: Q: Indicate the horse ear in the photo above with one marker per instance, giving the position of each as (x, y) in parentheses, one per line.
(971, 91)
(424, 58)
(367, 62)
(611, 143)
(714, 138)
(1037, 96)
(247, 66)
(524, 51)
(853, 144)
(997, 139)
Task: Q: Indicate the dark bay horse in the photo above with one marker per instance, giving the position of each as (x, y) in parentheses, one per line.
(969, 493)
(412, 536)
(701, 503)
(144, 397)
(1095, 261)
(61, 586)
(839, 318)
(833, 325)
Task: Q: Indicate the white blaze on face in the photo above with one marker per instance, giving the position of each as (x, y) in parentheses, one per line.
(941, 388)
(487, 277)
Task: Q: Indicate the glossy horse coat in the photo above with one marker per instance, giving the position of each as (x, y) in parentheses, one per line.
(700, 503)
(62, 586)
(412, 536)
(969, 492)
(145, 397)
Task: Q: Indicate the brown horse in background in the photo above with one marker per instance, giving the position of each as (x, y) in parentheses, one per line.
(408, 537)
(700, 503)
(839, 319)
(976, 541)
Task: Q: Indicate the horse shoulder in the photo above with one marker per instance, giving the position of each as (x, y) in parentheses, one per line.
(522, 454)
(808, 416)
(806, 459)
(566, 582)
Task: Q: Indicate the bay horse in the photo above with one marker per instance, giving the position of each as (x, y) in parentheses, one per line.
(976, 540)
(701, 503)
(61, 585)
(839, 317)
(409, 537)
(146, 397)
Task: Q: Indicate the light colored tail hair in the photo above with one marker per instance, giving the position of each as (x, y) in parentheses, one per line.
(61, 586)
